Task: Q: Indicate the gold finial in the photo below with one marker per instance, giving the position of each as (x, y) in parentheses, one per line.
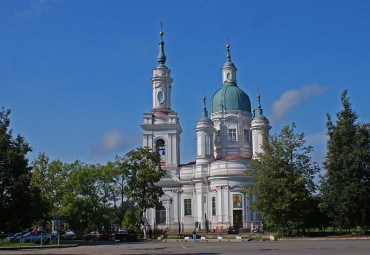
(161, 33)
(204, 98)
(227, 45)
(258, 96)
(227, 42)
(253, 110)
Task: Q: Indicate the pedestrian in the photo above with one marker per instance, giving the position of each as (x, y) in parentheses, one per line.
(194, 236)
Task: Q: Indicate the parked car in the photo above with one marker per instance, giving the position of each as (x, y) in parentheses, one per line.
(72, 235)
(16, 237)
(36, 237)
(233, 230)
(97, 236)
(124, 235)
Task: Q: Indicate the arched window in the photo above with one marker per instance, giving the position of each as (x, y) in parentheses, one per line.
(228, 76)
(160, 215)
(161, 148)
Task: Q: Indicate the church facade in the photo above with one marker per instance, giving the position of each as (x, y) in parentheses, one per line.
(205, 193)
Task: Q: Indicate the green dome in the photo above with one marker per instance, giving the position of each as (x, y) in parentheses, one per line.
(230, 97)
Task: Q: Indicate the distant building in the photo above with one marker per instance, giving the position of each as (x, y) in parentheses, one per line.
(207, 191)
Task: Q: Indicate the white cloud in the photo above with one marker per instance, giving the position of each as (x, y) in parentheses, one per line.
(35, 8)
(293, 97)
(114, 140)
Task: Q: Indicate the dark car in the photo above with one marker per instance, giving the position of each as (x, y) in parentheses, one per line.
(124, 235)
(97, 236)
(72, 235)
(233, 230)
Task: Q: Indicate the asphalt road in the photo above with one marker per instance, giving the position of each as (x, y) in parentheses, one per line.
(254, 247)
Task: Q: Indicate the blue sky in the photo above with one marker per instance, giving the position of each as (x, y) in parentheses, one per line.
(76, 74)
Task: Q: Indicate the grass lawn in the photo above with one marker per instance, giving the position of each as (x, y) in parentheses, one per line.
(6, 244)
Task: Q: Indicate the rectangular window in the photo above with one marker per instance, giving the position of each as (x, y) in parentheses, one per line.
(213, 206)
(217, 135)
(246, 135)
(232, 134)
(187, 207)
(208, 145)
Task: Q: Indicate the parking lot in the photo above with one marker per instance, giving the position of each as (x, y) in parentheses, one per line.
(252, 247)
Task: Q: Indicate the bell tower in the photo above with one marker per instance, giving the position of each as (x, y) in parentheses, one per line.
(161, 128)
(260, 127)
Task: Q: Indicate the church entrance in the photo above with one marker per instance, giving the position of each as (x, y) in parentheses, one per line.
(238, 218)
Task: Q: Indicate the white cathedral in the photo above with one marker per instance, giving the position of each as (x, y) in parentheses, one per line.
(205, 193)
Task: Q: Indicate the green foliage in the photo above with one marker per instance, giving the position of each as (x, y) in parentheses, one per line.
(282, 181)
(91, 196)
(114, 179)
(50, 178)
(78, 191)
(132, 219)
(142, 171)
(345, 187)
(19, 200)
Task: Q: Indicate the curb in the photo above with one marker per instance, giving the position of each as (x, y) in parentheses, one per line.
(261, 240)
(325, 238)
(208, 240)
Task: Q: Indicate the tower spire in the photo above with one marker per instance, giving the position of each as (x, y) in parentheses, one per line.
(161, 57)
(228, 59)
(259, 112)
(204, 111)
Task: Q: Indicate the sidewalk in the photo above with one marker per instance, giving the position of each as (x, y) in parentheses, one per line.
(232, 240)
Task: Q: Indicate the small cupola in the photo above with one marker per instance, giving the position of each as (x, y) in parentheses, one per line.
(229, 69)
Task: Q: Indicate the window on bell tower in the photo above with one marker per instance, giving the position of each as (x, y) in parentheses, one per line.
(161, 149)
(228, 76)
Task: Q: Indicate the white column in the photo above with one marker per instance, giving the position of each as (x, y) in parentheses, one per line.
(219, 203)
(173, 149)
(226, 205)
(199, 198)
(176, 205)
(167, 204)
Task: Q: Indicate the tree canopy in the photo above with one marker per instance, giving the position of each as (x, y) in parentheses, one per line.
(282, 181)
(345, 187)
(90, 196)
(142, 171)
(19, 200)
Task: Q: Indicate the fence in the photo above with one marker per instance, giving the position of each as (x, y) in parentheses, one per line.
(35, 239)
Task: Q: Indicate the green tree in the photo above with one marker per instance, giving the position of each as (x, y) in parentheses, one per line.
(18, 198)
(85, 205)
(282, 181)
(113, 178)
(132, 218)
(345, 186)
(51, 177)
(142, 171)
